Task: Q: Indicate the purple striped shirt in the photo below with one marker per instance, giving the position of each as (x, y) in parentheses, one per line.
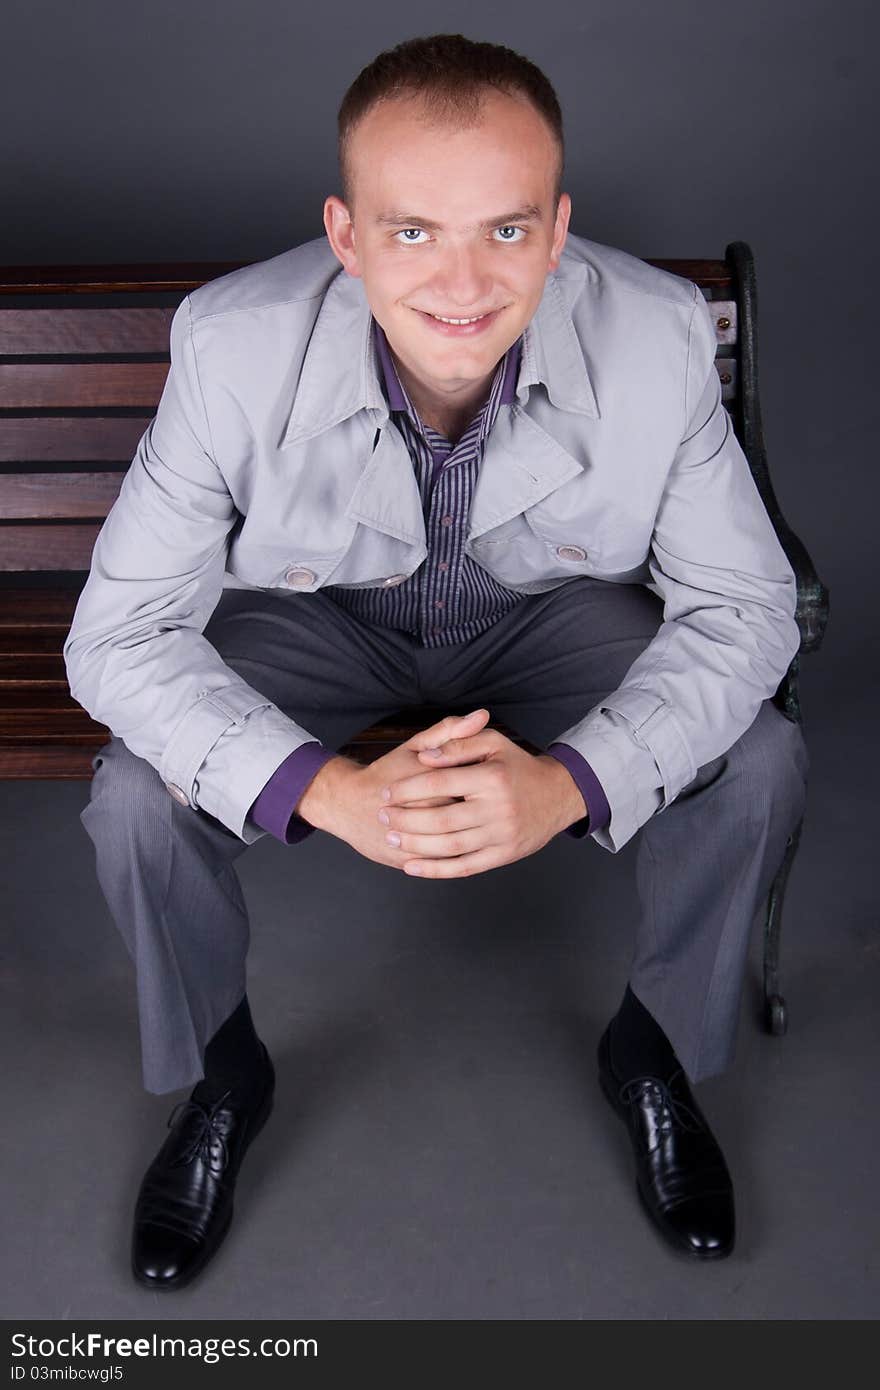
(449, 598)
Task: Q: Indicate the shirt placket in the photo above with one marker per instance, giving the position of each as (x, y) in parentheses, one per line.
(448, 506)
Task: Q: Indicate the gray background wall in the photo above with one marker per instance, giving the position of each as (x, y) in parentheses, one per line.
(204, 130)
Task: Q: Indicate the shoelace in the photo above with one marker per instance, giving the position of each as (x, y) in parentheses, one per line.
(207, 1132)
(672, 1110)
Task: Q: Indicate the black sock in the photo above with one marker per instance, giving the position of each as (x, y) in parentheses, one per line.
(639, 1047)
(233, 1058)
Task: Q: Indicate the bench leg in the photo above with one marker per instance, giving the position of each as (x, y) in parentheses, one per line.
(775, 1013)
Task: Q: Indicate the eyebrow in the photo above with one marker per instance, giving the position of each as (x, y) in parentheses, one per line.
(530, 213)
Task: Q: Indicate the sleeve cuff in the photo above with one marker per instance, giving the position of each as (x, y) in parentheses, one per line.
(598, 811)
(273, 809)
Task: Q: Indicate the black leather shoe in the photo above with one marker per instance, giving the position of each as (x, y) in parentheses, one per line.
(184, 1206)
(681, 1174)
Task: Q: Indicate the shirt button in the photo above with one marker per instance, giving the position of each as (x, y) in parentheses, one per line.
(439, 603)
(446, 520)
(178, 793)
(571, 552)
(443, 565)
(298, 576)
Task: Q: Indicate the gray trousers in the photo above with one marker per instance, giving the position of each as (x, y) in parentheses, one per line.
(703, 866)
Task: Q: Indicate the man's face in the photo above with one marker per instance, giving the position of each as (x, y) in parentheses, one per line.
(415, 236)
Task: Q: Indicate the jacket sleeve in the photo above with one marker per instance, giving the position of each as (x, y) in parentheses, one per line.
(135, 656)
(728, 632)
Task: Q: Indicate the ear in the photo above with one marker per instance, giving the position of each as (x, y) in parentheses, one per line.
(339, 226)
(560, 231)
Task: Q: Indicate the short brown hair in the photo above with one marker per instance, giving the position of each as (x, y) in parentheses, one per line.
(451, 74)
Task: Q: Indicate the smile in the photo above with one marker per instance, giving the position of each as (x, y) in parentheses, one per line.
(456, 327)
(443, 318)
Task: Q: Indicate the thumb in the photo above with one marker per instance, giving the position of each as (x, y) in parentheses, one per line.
(452, 726)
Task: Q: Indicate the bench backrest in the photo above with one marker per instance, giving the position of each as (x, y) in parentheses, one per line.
(83, 359)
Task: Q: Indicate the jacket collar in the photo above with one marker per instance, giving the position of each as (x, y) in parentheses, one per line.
(334, 383)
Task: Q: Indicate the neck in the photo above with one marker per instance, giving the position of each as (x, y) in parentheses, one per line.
(448, 412)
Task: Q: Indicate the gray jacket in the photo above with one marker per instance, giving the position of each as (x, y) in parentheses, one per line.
(271, 462)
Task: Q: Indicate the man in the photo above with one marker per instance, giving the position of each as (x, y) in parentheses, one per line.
(448, 453)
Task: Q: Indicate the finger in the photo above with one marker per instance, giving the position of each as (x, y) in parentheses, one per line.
(439, 846)
(463, 750)
(451, 726)
(462, 867)
(411, 820)
(447, 781)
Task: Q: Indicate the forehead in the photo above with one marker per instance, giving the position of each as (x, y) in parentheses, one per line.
(507, 153)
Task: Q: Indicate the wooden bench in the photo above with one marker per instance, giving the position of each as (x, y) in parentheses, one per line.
(84, 352)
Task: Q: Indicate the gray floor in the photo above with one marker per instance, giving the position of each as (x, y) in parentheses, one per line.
(439, 1147)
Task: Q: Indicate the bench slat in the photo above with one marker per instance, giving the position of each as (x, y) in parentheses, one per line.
(14, 699)
(62, 385)
(50, 725)
(128, 277)
(39, 496)
(59, 762)
(71, 438)
(17, 669)
(92, 331)
(24, 610)
(23, 643)
(36, 547)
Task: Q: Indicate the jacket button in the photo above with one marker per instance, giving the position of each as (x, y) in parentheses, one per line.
(394, 579)
(571, 552)
(298, 576)
(178, 793)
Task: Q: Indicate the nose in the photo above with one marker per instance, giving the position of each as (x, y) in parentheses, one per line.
(464, 282)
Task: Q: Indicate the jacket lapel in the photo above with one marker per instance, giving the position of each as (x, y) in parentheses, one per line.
(522, 462)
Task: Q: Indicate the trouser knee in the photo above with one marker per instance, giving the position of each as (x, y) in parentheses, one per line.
(775, 765)
(126, 793)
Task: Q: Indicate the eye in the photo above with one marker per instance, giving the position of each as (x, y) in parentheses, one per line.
(408, 240)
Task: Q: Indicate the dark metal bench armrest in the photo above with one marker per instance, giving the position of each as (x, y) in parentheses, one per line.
(813, 605)
(813, 601)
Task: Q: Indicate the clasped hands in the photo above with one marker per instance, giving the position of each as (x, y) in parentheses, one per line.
(490, 802)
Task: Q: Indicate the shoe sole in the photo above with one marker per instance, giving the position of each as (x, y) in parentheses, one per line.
(669, 1239)
(180, 1280)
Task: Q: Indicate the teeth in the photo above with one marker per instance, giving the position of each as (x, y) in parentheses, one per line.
(443, 320)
